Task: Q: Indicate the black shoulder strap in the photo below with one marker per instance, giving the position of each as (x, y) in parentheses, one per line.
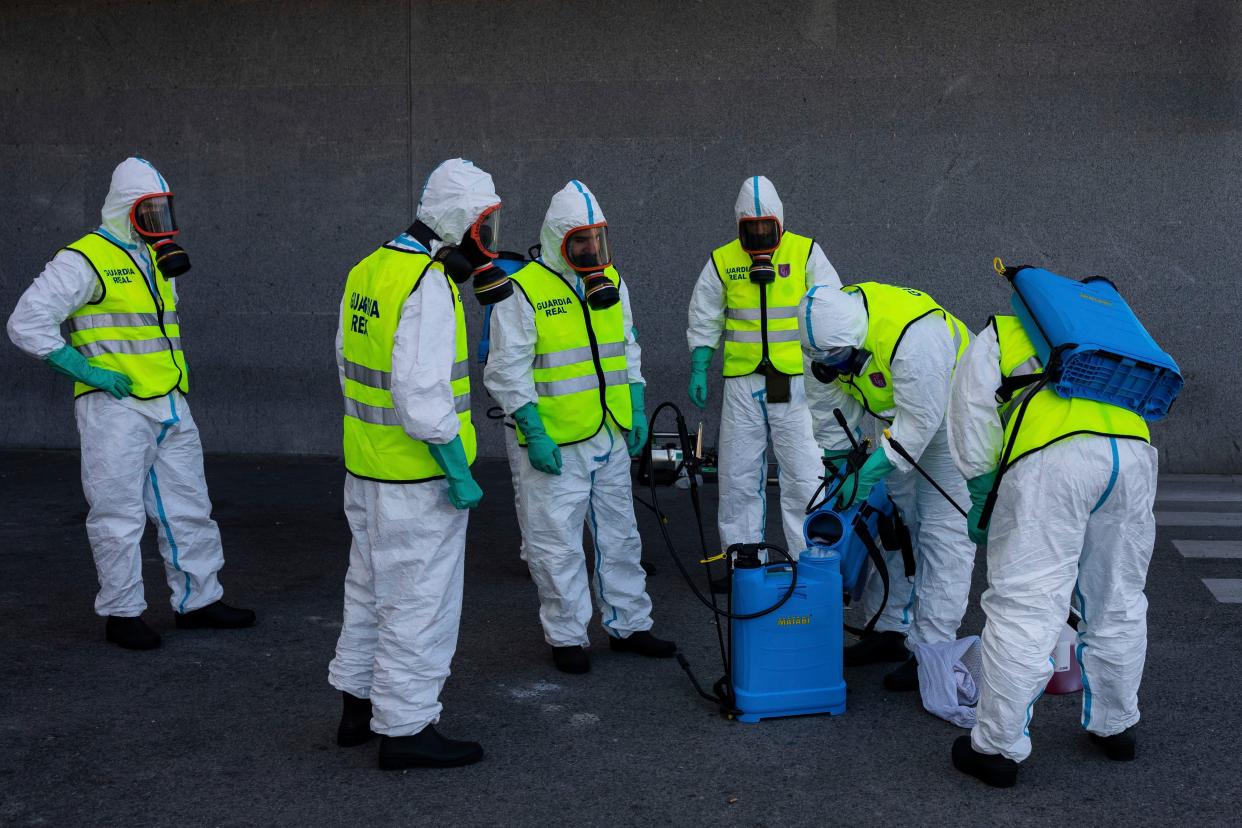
(906, 543)
(881, 567)
(1012, 385)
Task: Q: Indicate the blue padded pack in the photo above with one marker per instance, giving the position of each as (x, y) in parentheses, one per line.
(1091, 343)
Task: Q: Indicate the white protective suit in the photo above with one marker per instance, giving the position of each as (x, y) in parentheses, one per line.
(140, 458)
(1073, 522)
(930, 607)
(403, 590)
(516, 455)
(747, 420)
(594, 483)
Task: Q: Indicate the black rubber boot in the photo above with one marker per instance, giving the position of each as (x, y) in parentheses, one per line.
(355, 727)
(217, 616)
(426, 749)
(722, 585)
(905, 678)
(881, 646)
(1120, 747)
(131, 633)
(993, 769)
(572, 659)
(643, 643)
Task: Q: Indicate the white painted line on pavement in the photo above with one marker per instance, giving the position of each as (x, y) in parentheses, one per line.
(1199, 519)
(1213, 479)
(1209, 549)
(1198, 496)
(1225, 590)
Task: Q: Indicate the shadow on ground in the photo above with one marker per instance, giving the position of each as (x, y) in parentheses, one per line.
(231, 728)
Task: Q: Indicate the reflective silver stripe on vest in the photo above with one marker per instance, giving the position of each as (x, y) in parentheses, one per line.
(119, 320)
(1031, 366)
(368, 376)
(614, 378)
(128, 346)
(373, 414)
(572, 356)
(957, 338)
(757, 336)
(382, 380)
(462, 402)
(560, 388)
(755, 315)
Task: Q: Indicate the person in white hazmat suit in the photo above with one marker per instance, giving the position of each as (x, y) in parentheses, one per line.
(889, 352)
(141, 454)
(566, 365)
(749, 292)
(403, 358)
(1072, 525)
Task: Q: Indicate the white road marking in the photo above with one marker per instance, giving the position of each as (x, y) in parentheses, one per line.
(1225, 590)
(1222, 519)
(1209, 549)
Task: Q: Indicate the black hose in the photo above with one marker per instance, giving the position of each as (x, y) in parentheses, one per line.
(691, 471)
(853, 462)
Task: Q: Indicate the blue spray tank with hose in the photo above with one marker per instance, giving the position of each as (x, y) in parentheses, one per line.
(860, 533)
(788, 662)
(783, 651)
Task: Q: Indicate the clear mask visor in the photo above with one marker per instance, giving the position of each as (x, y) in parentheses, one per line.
(486, 231)
(586, 248)
(153, 217)
(837, 359)
(761, 234)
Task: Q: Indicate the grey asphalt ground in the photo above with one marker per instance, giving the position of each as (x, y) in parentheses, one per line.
(237, 727)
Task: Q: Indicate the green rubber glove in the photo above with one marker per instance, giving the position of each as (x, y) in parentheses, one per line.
(858, 485)
(544, 454)
(700, 358)
(72, 364)
(637, 438)
(979, 488)
(451, 456)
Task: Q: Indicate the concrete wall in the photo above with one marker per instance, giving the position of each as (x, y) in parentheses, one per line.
(913, 140)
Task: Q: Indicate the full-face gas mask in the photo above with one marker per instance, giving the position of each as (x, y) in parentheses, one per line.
(585, 249)
(153, 218)
(473, 259)
(760, 237)
(827, 366)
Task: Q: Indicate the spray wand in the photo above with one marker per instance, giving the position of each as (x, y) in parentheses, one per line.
(906, 455)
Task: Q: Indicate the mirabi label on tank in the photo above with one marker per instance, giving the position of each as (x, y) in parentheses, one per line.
(793, 621)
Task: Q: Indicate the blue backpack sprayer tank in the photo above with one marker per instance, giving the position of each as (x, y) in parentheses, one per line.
(1090, 345)
(784, 649)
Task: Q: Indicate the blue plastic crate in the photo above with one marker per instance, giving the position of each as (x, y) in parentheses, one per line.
(1092, 344)
(1146, 389)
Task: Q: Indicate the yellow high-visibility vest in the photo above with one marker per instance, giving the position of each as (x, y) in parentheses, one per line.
(376, 446)
(745, 334)
(891, 310)
(133, 327)
(580, 371)
(1049, 417)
